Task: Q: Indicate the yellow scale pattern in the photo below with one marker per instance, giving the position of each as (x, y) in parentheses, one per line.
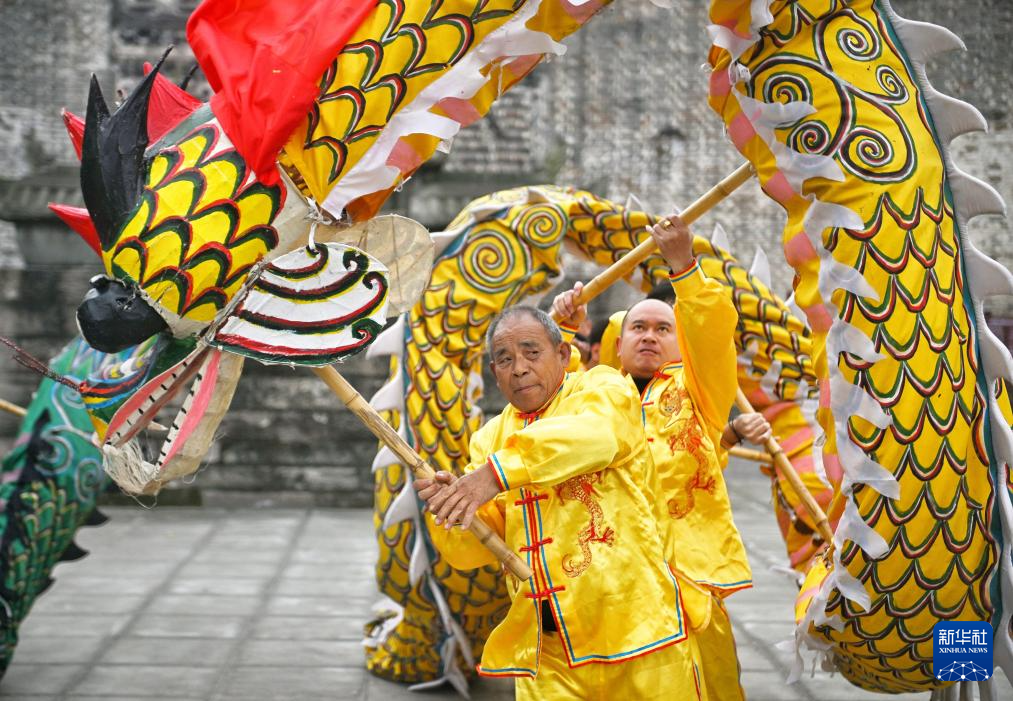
(197, 229)
(870, 117)
(400, 50)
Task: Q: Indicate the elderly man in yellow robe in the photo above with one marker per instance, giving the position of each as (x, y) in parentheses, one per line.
(683, 361)
(565, 476)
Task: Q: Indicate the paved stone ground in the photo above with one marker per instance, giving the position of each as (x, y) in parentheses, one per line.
(257, 604)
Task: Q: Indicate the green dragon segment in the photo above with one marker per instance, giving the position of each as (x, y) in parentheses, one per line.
(49, 484)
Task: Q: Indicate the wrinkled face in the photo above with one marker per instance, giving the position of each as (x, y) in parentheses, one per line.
(528, 367)
(648, 338)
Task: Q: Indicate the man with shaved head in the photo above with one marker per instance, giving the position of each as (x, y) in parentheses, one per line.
(683, 362)
(564, 474)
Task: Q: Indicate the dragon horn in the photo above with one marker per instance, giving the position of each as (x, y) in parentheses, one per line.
(189, 76)
(75, 128)
(78, 219)
(168, 104)
(112, 154)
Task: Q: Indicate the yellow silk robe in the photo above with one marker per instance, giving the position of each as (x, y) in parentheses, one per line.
(577, 504)
(685, 409)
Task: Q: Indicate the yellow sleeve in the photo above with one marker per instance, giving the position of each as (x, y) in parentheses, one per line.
(568, 335)
(459, 547)
(597, 425)
(705, 320)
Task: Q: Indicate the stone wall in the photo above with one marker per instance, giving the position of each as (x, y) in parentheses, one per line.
(50, 50)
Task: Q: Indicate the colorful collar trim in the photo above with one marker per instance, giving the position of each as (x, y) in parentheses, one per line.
(663, 373)
(664, 369)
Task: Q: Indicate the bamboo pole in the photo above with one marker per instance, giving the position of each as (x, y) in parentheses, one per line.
(754, 455)
(12, 408)
(788, 472)
(625, 265)
(382, 430)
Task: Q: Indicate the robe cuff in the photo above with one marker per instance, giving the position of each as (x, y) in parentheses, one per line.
(509, 469)
(688, 282)
(568, 333)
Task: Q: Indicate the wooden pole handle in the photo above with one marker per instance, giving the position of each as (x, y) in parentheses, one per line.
(788, 472)
(419, 467)
(12, 408)
(625, 265)
(754, 455)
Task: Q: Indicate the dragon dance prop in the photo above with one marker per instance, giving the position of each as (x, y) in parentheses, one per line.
(830, 103)
(246, 227)
(502, 250)
(754, 455)
(787, 472)
(49, 484)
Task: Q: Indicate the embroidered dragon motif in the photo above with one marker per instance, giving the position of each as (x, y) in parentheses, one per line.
(679, 506)
(581, 488)
(686, 436)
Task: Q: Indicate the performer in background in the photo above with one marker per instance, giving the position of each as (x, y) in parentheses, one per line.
(565, 476)
(752, 427)
(683, 361)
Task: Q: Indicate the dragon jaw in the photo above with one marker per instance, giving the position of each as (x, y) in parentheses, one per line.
(212, 377)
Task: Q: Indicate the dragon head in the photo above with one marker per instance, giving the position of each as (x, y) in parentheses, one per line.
(201, 233)
(183, 228)
(176, 215)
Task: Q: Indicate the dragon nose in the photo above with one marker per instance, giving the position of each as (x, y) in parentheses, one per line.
(114, 317)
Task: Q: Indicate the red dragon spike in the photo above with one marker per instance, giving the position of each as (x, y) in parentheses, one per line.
(78, 219)
(75, 128)
(168, 105)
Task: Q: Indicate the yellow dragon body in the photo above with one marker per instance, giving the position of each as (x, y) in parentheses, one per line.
(829, 101)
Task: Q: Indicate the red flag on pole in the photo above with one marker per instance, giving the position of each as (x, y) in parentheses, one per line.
(264, 60)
